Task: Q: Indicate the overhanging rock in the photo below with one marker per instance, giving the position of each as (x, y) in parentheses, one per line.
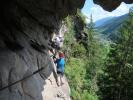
(25, 29)
(111, 4)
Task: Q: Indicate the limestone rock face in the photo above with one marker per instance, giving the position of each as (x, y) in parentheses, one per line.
(25, 29)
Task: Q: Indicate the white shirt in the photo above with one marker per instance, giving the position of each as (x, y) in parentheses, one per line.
(57, 41)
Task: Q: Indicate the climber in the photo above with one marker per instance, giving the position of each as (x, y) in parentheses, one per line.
(52, 54)
(61, 38)
(60, 68)
(57, 43)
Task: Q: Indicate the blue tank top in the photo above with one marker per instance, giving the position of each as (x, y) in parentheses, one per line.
(60, 64)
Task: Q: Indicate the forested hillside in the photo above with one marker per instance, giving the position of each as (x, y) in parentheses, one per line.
(85, 58)
(110, 26)
(98, 70)
(103, 21)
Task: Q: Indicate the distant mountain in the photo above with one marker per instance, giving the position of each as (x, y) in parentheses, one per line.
(110, 26)
(102, 21)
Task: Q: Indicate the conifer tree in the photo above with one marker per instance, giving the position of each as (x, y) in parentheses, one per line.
(117, 81)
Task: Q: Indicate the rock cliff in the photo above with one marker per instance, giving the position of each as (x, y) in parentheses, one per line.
(26, 27)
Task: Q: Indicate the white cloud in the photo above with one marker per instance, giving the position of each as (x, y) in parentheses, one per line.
(97, 13)
(121, 10)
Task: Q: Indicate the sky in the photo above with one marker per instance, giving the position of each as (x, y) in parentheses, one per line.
(98, 12)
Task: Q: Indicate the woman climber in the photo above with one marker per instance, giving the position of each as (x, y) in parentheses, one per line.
(60, 68)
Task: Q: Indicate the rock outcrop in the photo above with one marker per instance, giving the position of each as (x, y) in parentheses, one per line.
(111, 4)
(26, 26)
(25, 29)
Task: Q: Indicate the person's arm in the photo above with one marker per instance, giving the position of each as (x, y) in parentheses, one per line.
(55, 61)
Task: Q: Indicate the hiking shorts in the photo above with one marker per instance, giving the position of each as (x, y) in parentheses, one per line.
(60, 73)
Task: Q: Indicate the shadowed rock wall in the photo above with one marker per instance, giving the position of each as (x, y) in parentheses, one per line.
(25, 29)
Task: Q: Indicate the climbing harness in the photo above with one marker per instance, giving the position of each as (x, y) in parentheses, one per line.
(35, 72)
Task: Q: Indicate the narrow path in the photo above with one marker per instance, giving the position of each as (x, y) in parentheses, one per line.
(53, 92)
